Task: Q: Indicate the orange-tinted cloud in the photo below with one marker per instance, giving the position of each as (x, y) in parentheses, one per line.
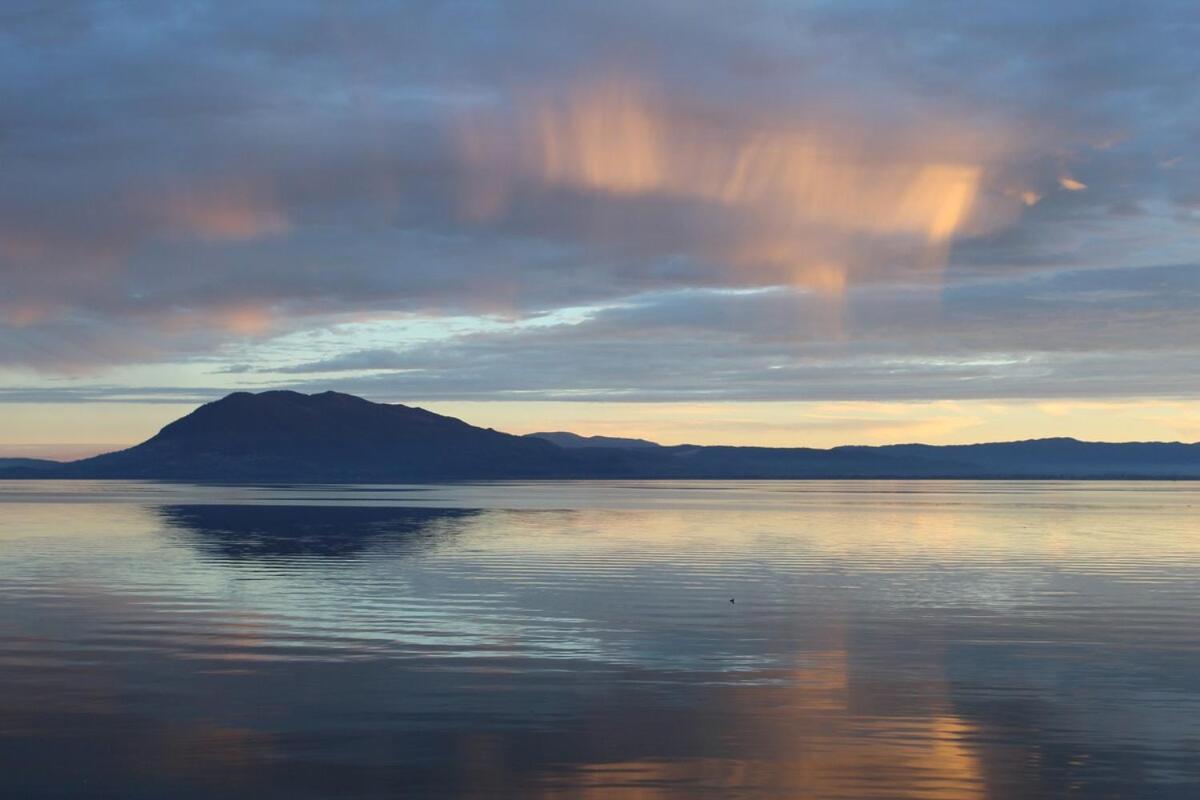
(239, 320)
(798, 199)
(232, 210)
(245, 320)
(24, 315)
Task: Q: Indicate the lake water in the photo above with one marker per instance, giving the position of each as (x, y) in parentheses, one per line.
(578, 640)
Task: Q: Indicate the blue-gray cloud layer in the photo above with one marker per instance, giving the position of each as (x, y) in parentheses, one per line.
(180, 177)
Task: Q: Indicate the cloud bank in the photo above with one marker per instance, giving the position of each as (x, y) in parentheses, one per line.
(641, 201)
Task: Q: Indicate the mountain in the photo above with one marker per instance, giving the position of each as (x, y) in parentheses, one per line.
(332, 437)
(28, 463)
(1064, 457)
(339, 438)
(574, 440)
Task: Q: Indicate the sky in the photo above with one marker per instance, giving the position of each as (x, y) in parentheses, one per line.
(743, 222)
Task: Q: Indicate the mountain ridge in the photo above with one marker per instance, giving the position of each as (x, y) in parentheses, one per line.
(333, 437)
(574, 440)
(322, 437)
(20, 462)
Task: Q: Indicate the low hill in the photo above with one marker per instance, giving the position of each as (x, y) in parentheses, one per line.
(28, 463)
(574, 440)
(1063, 457)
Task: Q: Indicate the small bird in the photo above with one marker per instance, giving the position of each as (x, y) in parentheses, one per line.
(731, 599)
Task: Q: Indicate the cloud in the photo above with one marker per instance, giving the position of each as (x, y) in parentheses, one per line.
(876, 199)
(356, 361)
(806, 201)
(1064, 335)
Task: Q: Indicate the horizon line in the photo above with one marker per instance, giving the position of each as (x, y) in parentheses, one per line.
(67, 452)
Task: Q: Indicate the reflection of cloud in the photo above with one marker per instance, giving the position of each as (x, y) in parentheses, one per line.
(937, 764)
(857, 690)
(203, 756)
(820, 739)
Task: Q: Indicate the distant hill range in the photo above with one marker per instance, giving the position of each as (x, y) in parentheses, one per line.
(574, 440)
(338, 438)
(28, 463)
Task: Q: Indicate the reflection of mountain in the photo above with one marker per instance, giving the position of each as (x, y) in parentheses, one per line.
(266, 532)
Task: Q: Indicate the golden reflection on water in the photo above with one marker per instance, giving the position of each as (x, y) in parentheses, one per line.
(936, 640)
(808, 735)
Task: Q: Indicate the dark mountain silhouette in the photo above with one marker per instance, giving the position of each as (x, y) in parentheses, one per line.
(339, 438)
(28, 468)
(288, 436)
(28, 463)
(1064, 457)
(574, 440)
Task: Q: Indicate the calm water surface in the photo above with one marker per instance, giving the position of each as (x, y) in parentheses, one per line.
(577, 640)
